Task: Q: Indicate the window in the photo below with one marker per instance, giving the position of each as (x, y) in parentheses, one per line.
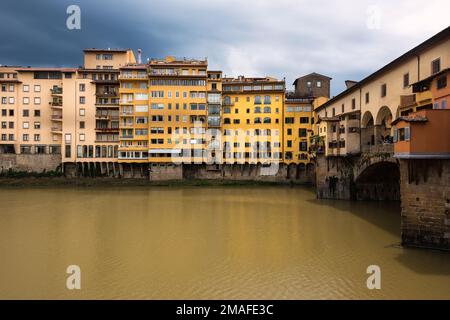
(26, 100)
(436, 66)
(37, 113)
(302, 133)
(82, 112)
(82, 100)
(37, 100)
(289, 144)
(11, 100)
(383, 90)
(304, 120)
(267, 100)
(289, 132)
(367, 97)
(26, 125)
(68, 151)
(289, 120)
(25, 113)
(442, 82)
(37, 125)
(82, 125)
(82, 87)
(303, 146)
(319, 84)
(25, 137)
(402, 134)
(37, 88)
(353, 104)
(342, 108)
(37, 137)
(26, 88)
(406, 80)
(309, 84)
(257, 99)
(68, 138)
(82, 137)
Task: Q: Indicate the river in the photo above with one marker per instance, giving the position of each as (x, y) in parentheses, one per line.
(207, 243)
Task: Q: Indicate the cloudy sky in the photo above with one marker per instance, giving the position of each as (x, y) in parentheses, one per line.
(344, 39)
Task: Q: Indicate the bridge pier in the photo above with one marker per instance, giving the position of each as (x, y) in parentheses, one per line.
(423, 186)
(425, 191)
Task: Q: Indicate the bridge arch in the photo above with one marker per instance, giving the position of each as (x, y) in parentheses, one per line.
(377, 178)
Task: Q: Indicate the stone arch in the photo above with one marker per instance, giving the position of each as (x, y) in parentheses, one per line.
(377, 179)
(383, 132)
(367, 131)
(367, 119)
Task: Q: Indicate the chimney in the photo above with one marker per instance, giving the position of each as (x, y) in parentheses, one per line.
(139, 56)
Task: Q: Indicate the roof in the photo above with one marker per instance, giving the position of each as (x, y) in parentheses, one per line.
(135, 66)
(245, 80)
(415, 118)
(32, 69)
(443, 35)
(314, 74)
(430, 78)
(106, 50)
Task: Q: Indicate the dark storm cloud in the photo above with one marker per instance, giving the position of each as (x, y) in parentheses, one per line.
(284, 38)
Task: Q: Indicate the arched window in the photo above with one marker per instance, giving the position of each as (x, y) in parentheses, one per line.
(226, 121)
(267, 100)
(267, 110)
(267, 120)
(257, 120)
(257, 99)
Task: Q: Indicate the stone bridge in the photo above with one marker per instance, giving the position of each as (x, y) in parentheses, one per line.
(423, 186)
(373, 175)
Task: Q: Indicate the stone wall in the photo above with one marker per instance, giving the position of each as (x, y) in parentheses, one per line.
(425, 193)
(251, 172)
(29, 162)
(161, 172)
(334, 178)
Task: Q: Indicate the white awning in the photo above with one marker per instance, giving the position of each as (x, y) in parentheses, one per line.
(174, 151)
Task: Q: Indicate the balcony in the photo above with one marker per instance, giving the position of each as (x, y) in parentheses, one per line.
(57, 130)
(106, 129)
(56, 104)
(57, 117)
(107, 93)
(57, 91)
(133, 76)
(228, 103)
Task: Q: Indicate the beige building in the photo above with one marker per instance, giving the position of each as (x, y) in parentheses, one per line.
(379, 99)
(67, 111)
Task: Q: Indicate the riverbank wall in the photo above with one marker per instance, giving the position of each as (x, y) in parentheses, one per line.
(32, 163)
(14, 165)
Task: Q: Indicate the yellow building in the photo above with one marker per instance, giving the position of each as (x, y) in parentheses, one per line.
(134, 113)
(297, 125)
(214, 146)
(177, 110)
(252, 121)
